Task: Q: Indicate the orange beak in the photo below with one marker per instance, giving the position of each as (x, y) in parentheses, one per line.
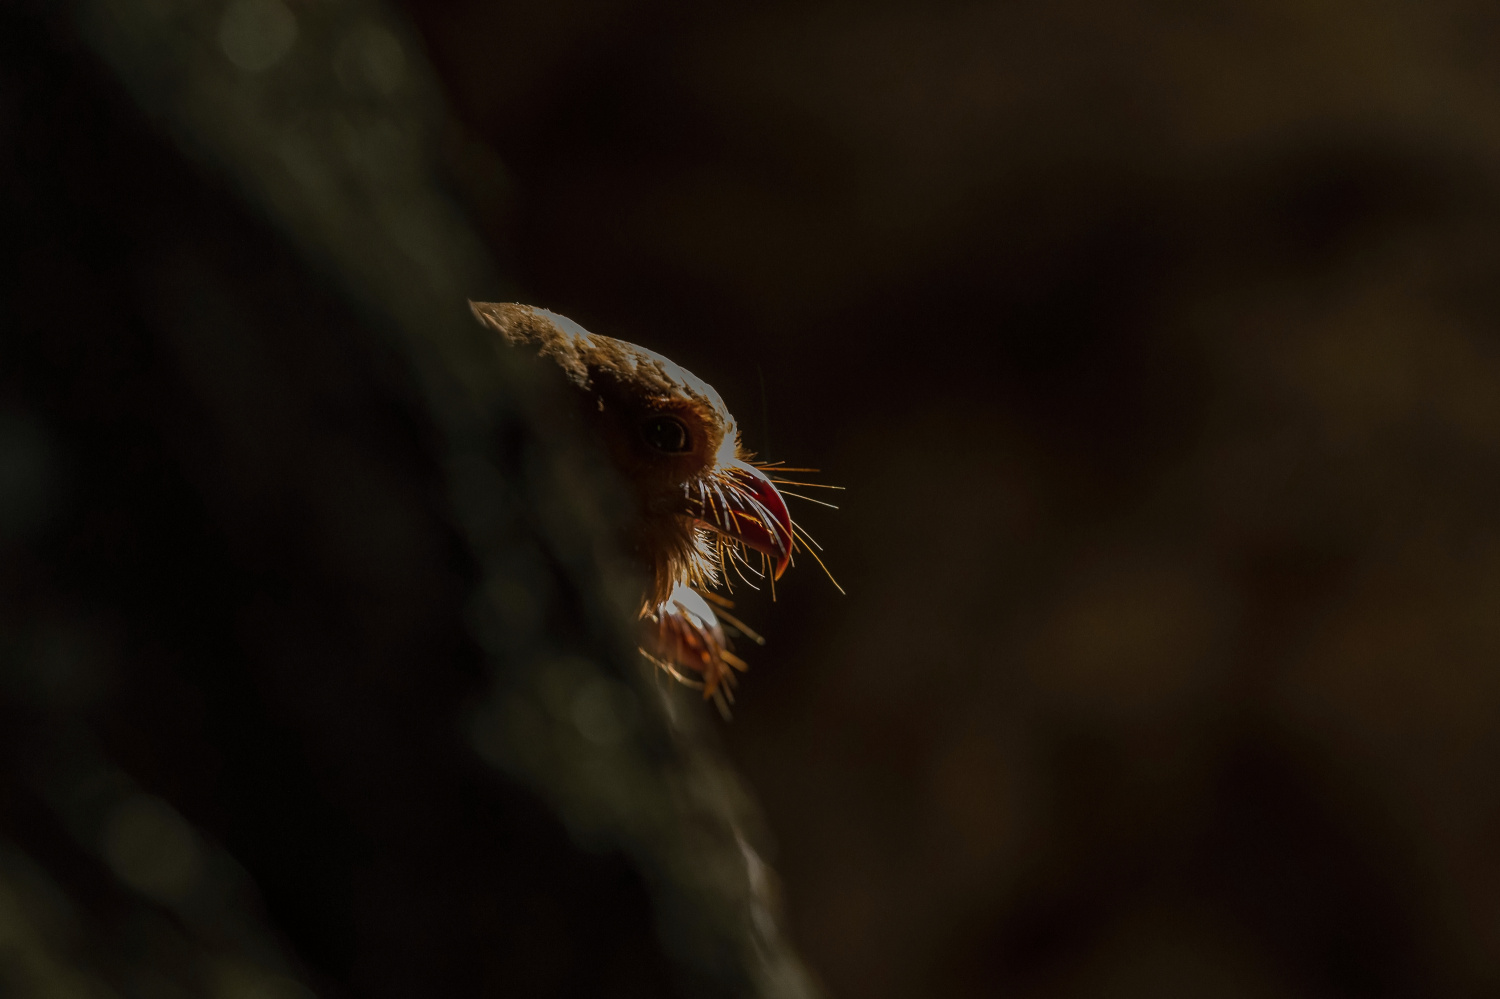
(748, 508)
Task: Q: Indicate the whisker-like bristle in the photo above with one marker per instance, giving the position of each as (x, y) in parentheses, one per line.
(814, 554)
(737, 556)
(667, 668)
(740, 557)
(717, 599)
(777, 466)
(720, 547)
(809, 499)
(802, 533)
(740, 572)
(710, 497)
(741, 626)
(741, 569)
(814, 485)
(724, 500)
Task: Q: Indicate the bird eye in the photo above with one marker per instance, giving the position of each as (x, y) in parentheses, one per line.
(667, 433)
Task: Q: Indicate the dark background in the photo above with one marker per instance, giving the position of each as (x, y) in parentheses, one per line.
(1155, 344)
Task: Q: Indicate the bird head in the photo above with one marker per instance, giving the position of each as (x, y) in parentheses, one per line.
(675, 445)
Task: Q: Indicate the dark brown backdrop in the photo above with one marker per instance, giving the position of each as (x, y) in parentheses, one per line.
(1155, 344)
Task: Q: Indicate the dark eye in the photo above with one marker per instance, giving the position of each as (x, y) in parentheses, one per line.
(667, 433)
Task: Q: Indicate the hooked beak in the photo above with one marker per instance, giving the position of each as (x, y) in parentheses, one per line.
(748, 508)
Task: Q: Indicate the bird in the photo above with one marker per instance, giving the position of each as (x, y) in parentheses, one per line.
(698, 503)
